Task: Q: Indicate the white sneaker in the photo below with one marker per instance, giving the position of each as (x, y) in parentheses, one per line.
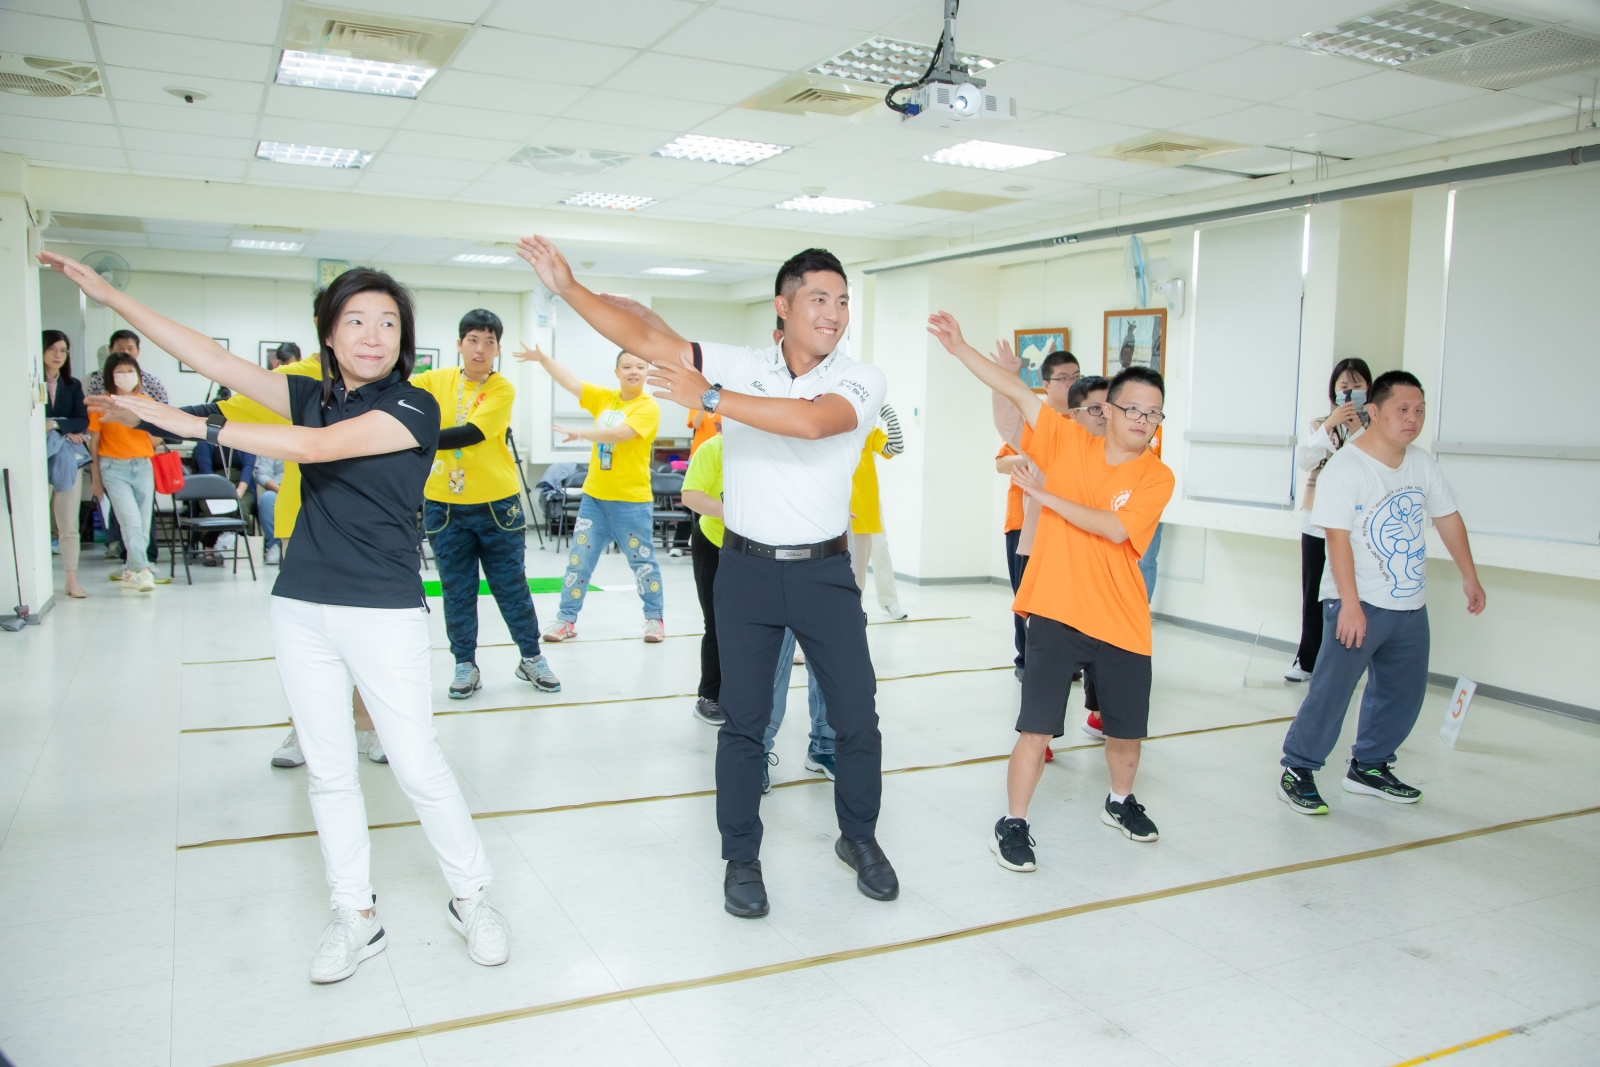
(1295, 674)
(145, 581)
(654, 631)
(346, 941)
(289, 754)
(896, 612)
(486, 930)
(273, 554)
(368, 744)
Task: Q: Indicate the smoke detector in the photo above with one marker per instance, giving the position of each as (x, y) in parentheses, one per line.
(1164, 148)
(38, 76)
(1468, 46)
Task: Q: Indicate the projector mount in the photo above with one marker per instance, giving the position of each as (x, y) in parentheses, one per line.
(945, 69)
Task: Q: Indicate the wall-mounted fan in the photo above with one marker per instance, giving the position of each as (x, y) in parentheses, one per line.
(110, 266)
(1134, 267)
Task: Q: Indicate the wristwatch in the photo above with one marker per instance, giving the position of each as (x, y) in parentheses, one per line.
(214, 424)
(711, 398)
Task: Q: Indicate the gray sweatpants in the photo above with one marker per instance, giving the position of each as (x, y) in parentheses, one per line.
(1395, 652)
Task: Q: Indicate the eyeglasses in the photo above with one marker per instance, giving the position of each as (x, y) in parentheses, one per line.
(1067, 378)
(1094, 409)
(1154, 418)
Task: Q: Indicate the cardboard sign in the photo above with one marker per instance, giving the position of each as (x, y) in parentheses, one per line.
(1456, 712)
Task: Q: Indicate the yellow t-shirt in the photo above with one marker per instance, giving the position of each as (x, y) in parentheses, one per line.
(243, 409)
(705, 476)
(487, 469)
(621, 471)
(866, 517)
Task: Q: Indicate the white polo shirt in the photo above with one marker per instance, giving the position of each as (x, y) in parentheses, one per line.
(785, 490)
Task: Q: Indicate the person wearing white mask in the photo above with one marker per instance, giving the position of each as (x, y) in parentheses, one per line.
(121, 472)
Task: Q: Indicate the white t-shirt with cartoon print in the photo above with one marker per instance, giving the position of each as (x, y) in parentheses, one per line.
(1386, 511)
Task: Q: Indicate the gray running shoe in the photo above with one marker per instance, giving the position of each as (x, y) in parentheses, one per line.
(537, 670)
(289, 754)
(466, 682)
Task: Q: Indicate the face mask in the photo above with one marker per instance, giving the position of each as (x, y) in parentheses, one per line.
(126, 381)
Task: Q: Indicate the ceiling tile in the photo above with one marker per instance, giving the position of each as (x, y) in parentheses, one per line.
(570, 133)
(146, 86)
(425, 166)
(174, 53)
(491, 51)
(62, 9)
(1047, 88)
(410, 185)
(1266, 20)
(186, 118)
(640, 109)
(736, 196)
(106, 239)
(48, 152)
(51, 38)
(185, 166)
(768, 181)
(691, 79)
(189, 144)
(677, 170)
(721, 34)
(491, 92)
(187, 243)
(444, 10)
(1270, 73)
(1011, 29)
(1060, 133)
(247, 21)
(1170, 181)
(330, 105)
(1086, 169)
(330, 134)
(1157, 106)
(89, 134)
(631, 23)
(1362, 141)
(691, 210)
(1144, 49)
(1380, 95)
(890, 140)
(263, 173)
(509, 193)
(411, 142)
(768, 127)
(55, 109)
(1264, 124)
(187, 228)
(819, 163)
(865, 15)
(1494, 111)
(428, 117)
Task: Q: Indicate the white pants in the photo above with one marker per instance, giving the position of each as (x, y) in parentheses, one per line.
(874, 549)
(321, 649)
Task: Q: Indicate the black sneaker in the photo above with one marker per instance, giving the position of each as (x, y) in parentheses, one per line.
(1013, 845)
(1129, 817)
(1379, 781)
(744, 894)
(709, 711)
(1299, 790)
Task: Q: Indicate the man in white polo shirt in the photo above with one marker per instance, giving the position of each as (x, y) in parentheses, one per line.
(794, 417)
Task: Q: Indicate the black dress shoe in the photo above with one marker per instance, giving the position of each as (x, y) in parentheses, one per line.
(743, 892)
(875, 875)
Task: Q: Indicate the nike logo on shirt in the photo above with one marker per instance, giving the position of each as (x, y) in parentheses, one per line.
(403, 404)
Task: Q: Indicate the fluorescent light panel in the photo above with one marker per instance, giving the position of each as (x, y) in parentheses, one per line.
(1410, 31)
(886, 61)
(719, 150)
(825, 205)
(674, 272)
(310, 155)
(610, 201)
(316, 70)
(258, 245)
(989, 155)
(481, 258)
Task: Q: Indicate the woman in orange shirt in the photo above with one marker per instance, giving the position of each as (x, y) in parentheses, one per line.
(121, 471)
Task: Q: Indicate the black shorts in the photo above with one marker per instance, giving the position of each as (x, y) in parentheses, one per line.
(1121, 678)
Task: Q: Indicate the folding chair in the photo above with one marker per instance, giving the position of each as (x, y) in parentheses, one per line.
(194, 519)
(668, 512)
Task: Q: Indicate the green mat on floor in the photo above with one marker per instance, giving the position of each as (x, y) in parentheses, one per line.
(535, 585)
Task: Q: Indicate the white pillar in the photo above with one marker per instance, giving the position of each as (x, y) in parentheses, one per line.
(22, 449)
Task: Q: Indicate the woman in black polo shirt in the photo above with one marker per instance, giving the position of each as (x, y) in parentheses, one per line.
(348, 604)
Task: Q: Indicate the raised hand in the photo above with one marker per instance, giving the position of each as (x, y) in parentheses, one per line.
(110, 412)
(94, 287)
(568, 434)
(547, 262)
(944, 326)
(1026, 476)
(144, 409)
(1005, 357)
(529, 355)
(681, 383)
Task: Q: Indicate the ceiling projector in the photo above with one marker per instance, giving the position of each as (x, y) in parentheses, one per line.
(947, 94)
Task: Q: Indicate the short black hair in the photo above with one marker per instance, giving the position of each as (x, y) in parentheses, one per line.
(113, 361)
(1083, 387)
(793, 273)
(1142, 375)
(1054, 360)
(288, 352)
(1380, 389)
(480, 319)
(125, 335)
(331, 301)
(1356, 366)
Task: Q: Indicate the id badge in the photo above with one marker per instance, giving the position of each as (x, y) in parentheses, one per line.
(605, 459)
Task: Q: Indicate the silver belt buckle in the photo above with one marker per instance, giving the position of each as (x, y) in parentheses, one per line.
(792, 553)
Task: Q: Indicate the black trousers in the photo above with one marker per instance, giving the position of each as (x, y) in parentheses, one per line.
(818, 599)
(1313, 558)
(704, 555)
(1015, 565)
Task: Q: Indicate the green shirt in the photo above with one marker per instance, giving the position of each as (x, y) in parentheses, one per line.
(705, 476)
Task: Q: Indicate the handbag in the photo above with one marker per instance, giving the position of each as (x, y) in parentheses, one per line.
(168, 470)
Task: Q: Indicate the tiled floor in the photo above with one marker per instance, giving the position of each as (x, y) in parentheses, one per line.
(131, 726)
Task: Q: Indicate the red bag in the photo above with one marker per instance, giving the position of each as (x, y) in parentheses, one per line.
(168, 469)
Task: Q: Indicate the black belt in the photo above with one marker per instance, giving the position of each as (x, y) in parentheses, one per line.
(785, 553)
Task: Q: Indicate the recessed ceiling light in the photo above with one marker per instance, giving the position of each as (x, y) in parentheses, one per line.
(612, 201)
(482, 258)
(988, 155)
(885, 61)
(257, 245)
(310, 155)
(318, 70)
(719, 150)
(674, 272)
(825, 205)
(1409, 31)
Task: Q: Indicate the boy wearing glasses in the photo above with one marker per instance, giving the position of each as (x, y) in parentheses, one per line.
(1101, 499)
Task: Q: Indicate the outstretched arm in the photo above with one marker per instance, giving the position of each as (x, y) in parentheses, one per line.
(944, 326)
(1453, 532)
(621, 327)
(558, 374)
(827, 416)
(190, 347)
(372, 434)
(609, 435)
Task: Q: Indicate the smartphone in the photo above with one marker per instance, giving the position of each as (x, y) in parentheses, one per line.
(1358, 397)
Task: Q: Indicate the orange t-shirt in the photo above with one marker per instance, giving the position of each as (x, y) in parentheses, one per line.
(120, 442)
(1080, 578)
(709, 427)
(1013, 497)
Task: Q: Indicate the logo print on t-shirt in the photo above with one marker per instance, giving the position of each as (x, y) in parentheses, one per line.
(1396, 536)
(403, 404)
(1121, 499)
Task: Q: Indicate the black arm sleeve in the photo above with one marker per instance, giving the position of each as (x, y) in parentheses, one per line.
(203, 410)
(460, 436)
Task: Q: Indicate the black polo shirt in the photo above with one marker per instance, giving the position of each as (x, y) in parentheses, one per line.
(356, 540)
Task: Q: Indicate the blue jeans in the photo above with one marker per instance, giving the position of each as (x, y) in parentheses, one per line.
(131, 486)
(1147, 565)
(1394, 654)
(600, 522)
(466, 536)
(822, 736)
(267, 512)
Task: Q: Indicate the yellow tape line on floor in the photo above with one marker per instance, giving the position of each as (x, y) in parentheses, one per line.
(809, 962)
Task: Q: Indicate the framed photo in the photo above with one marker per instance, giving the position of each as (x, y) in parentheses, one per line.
(1136, 338)
(328, 270)
(1032, 346)
(265, 350)
(427, 359)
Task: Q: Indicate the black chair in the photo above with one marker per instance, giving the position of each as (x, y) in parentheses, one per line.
(669, 519)
(195, 520)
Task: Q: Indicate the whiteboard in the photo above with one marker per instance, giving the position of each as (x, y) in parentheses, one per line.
(1521, 360)
(581, 349)
(1248, 289)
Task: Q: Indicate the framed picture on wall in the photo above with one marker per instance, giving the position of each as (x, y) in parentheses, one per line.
(1032, 346)
(1136, 338)
(427, 359)
(265, 350)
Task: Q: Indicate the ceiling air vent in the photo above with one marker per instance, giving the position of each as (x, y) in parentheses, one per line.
(568, 161)
(1457, 44)
(37, 76)
(808, 94)
(313, 28)
(102, 223)
(1166, 149)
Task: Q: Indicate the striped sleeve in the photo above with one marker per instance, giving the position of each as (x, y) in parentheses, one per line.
(891, 426)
